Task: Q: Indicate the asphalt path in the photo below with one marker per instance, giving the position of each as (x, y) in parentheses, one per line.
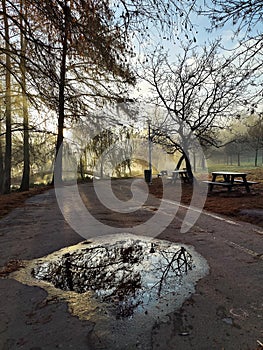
(225, 311)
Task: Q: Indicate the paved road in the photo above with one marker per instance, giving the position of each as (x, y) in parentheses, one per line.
(225, 312)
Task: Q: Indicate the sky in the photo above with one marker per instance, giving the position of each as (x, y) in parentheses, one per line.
(201, 25)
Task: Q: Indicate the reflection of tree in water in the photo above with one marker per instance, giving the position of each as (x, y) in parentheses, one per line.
(177, 264)
(128, 275)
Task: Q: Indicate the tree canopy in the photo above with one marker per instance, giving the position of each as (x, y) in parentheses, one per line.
(245, 16)
(70, 55)
(71, 58)
(198, 93)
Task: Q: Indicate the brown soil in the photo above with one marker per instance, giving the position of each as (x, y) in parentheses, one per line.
(16, 199)
(237, 204)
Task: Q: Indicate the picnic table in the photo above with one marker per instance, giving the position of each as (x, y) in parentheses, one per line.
(182, 174)
(162, 173)
(229, 179)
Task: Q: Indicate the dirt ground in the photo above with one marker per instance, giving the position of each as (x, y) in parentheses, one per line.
(16, 199)
(237, 204)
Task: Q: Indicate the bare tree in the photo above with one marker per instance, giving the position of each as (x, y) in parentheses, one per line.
(8, 109)
(245, 16)
(62, 42)
(255, 136)
(198, 93)
(1, 158)
(97, 36)
(26, 156)
(77, 50)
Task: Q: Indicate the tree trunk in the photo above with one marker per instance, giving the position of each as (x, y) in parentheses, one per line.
(26, 157)
(203, 162)
(1, 160)
(101, 167)
(61, 107)
(256, 158)
(8, 138)
(185, 157)
(180, 161)
(82, 168)
(194, 156)
(238, 159)
(189, 168)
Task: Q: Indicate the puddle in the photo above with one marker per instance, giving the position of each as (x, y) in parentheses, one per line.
(123, 283)
(252, 212)
(129, 275)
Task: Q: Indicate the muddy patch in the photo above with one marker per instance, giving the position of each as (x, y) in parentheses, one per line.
(254, 216)
(258, 213)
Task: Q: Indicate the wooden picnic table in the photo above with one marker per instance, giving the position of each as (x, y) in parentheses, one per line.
(229, 179)
(162, 173)
(182, 174)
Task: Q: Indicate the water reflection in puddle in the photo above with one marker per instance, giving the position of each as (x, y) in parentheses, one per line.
(130, 275)
(123, 283)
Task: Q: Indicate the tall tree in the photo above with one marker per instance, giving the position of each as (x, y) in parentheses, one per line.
(77, 51)
(1, 159)
(26, 157)
(198, 93)
(255, 135)
(8, 111)
(90, 43)
(83, 46)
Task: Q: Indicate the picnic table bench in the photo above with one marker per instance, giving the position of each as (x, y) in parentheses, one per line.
(182, 174)
(162, 173)
(229, 180)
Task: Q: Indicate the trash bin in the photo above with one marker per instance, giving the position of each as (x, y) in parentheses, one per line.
(148, 175)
